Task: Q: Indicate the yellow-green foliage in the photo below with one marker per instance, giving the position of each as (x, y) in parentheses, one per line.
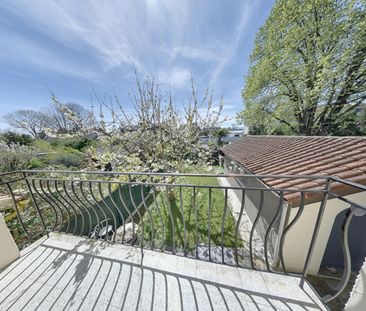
(308, 67)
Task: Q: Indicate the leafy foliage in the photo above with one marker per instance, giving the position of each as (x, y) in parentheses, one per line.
(308, 67)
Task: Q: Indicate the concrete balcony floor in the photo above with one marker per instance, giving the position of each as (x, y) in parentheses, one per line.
(65, 272)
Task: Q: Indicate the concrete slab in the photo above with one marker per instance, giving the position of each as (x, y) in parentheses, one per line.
(66, 272)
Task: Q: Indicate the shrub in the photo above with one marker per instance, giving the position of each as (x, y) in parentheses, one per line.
(14, 156)
(15, 138)
(78, 143)
(65, 159)
(35, 163)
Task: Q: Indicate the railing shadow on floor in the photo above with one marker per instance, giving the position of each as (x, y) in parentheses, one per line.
(68, 279)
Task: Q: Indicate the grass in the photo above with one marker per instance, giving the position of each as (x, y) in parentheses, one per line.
(177, 208)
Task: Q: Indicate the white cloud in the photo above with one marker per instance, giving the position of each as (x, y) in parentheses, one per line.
(176, 77)
(151, 35)
(202, 54)
(110, 31)
(24, 51)
(247, 9)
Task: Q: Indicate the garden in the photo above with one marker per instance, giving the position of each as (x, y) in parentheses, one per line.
(159, 136)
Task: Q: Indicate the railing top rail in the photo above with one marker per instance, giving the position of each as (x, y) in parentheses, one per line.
(251, 176)
(156, 184)
(349, 183)
(10, 173)
(310, 177)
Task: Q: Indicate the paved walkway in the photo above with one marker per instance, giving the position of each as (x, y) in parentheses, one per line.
(64, 272)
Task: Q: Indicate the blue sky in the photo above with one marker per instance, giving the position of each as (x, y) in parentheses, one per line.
(75, 46)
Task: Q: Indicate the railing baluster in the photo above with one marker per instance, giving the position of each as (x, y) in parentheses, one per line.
(209, 222)
(67, 203)
(110, 194)
(238, 225)
(130, 216)
(167, 200)
(51, 199)
(316, 230)
(71, 203)
(289, 226)
(50, 204)
(275, 217)
(183, 221)
(84, 205)
(108, 208)
(223, 226)
(152, 235)
(55, 199)
(196, 218)
(161, 218)
(82, 191)
(35, 203)
(99, 225)
(137, 211)
(346, 256)
(17, 211)
(261, 204)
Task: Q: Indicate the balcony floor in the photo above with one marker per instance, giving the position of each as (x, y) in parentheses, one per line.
(65, 272)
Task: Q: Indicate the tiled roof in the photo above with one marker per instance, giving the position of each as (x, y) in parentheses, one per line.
(343, 157)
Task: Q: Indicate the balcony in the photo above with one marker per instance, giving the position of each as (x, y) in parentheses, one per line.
(139, 241)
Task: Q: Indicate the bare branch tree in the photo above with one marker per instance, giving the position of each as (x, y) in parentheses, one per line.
(60, 121)
(33, 122)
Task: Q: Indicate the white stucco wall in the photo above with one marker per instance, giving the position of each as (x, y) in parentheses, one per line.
(357, 300)
(8, 249)
(298, 239)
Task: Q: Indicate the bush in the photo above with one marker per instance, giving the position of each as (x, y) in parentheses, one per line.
(57, 154)
(14, 157)
(65, 159)
(14, 138)
(35, 163)
(78, 143)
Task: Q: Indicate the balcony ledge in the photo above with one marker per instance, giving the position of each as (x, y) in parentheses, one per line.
(71, 273)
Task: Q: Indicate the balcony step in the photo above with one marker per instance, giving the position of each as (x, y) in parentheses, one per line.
(65, 272)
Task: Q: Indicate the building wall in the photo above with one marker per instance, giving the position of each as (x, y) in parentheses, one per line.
(298, 239)
(8, 249)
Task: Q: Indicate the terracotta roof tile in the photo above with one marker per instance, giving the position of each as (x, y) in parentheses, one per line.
(344, 157)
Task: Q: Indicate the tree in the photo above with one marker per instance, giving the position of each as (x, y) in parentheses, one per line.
(33, 122)
(220, 134)
(158, 135)
(60, 120)
(308, 66)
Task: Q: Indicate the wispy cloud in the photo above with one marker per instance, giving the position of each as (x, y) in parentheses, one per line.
(189, 52)
(243, 22)
(26, 53)
(100, 43)
(176, 77)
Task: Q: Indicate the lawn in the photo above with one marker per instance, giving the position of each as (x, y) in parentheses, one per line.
(176, 220)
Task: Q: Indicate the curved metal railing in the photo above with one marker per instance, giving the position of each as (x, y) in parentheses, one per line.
(185, 214)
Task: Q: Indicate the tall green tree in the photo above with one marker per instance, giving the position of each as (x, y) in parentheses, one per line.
(308, 67)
